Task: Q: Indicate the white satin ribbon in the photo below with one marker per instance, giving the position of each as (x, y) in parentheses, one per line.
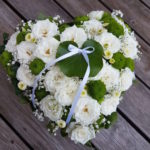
(73, 51)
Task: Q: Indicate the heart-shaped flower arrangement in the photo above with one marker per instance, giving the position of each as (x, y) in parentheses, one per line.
(37, 43)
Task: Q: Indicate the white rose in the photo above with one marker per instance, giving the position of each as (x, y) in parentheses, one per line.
(65, 92)
(109, 105)
(11, 44)
(82, 134)
(53, 79)
(75, 34)
(25, 51)
(44, 28)
(109, 75)
(46, 49)
(129, 46)
(51, 108)
(126, 79)
(87, 110)
(109, 42)
(24, 75)
(96, 15)
(93, 27)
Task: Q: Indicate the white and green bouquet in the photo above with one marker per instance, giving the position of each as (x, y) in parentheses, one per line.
(74, 74)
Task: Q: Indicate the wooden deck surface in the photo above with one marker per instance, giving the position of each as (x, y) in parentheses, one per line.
(19, 129)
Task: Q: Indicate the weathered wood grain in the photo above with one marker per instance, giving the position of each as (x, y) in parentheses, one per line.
(143, 66)
(124, 138)
(8, 139)
(147, 2)
(138, 113)
(8, 20)
(84, 8)
(46, 7)
(136, 15)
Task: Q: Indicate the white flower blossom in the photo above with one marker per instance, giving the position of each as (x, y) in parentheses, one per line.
(109, 105)
(74, 34)
(126, 79)
(44, 28)
(129, 46)
(24, 75)
(96, 14)
(46, 49)
(22, 86)
(82, 134)
(65, 92)
(11, 44)
(87, 110)
(109, 75)
(25, 51)
(51, 108)
(109, 42)
(61, 123)
(53, 79)
(93, 27)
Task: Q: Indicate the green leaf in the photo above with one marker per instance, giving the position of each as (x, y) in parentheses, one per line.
(78, 20)
(99, 123)
(130, 64)
(5, 58)
(63, 26)
(97, 90)
(15, 84)
(12, 69)
(11, 73)
(20, 37)
(76, 65)
(122, 62)
(63, 132)
(119, 60)
(25, 28)
(36, 66)
(113, 26)
(5, 38)
(57, 37)
(2, 48)
(51, 126)
(111, 119)
(40, 94)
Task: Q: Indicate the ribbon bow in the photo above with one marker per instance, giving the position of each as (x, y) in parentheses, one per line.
(73, 51)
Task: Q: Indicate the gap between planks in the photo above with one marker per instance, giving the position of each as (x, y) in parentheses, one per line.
(17, 134)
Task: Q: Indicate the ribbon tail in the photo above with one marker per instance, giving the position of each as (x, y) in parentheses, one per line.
(81, 87)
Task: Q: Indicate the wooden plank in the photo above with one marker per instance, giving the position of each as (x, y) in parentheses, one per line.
(7, 17)
(20, 116)
(8, 139)
(137, 113)
(136, 15)
(136, 104)
(120, 137)
(113, 141)
(147, 2)
(143, 66)
(46, 7)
